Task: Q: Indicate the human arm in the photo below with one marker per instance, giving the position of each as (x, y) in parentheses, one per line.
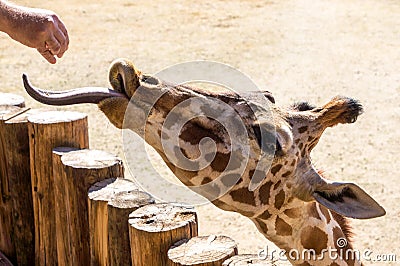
(36, 28)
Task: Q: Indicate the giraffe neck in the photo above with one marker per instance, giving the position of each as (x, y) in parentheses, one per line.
(310, 234)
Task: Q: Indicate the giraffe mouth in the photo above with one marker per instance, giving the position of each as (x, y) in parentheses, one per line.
(74, 96)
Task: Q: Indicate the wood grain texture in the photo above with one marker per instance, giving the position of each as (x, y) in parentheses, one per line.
(154, 228)
(6, 204)
(74, 173)
(15, 141)
(47, 131)
(202, 250)
(4, 261)
(98, 196)
(119, 208)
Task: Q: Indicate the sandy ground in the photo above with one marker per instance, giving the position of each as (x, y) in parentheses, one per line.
(299, 50)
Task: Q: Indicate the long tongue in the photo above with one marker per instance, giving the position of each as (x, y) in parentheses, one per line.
(74, 96)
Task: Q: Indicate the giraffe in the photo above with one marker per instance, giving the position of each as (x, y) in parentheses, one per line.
(293, 206)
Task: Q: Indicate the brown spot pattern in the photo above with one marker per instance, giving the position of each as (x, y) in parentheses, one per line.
(312, 211)
(286, 174)
(243, 195)
(302, 129)
(279, 199)
(293, 213)
(230, 180)
(262, 226)
(277, 184)
(282, 228)
(314, 238)
(301, 146)
(265, 215)
(264, 192)
(206, 180)
(276, 169)
(220, 161)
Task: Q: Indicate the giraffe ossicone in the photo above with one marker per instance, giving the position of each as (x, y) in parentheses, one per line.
(292, 204)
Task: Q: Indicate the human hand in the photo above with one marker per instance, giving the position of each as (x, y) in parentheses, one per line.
(40, 29)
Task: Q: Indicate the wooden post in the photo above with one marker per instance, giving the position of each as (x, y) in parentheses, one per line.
(74, 173)
(202, 250)
(11, 99)
(154, 228)
(119, 208)
(47, 131)
(4, 261)
(99, 195)
(6, 208)
(248, 260)
(15, 156)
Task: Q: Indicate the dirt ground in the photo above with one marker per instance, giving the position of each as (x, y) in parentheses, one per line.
(297, 49)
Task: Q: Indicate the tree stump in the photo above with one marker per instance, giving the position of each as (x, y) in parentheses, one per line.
(99, 195)
(248, 260)
(17, 176)
(11, 99)
(202, 250)
(4, 260)
(47, 131)
(154, 228)
(119, 208)
(6, 205)
(74, 173)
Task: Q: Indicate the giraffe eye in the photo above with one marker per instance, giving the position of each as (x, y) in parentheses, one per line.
(268, 141)
(278, 148)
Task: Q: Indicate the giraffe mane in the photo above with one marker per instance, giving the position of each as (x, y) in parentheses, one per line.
(344, 224)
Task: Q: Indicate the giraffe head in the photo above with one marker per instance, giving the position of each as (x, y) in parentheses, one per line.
(284, 138)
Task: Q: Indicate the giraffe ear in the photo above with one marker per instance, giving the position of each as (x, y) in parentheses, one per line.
(349, 200)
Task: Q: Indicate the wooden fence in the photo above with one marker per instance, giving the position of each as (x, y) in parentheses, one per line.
(62, 203)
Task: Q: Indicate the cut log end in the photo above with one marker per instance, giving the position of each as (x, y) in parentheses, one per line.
(202, 250)
(90, 159)
(162, 217)
(11, 99)
(131, 199)
(106, 189)
(55, 117)
(154, 228)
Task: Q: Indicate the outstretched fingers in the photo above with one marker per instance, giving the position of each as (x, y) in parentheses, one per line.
(47, 54)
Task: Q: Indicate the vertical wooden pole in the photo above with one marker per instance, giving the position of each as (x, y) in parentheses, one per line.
(154, 228)
(119, 208)
(47, 131)
(61, 214)
(99, 195)
(6, 208)
(73, 175)
(202, 250)
(4, 261)
(15, 141)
